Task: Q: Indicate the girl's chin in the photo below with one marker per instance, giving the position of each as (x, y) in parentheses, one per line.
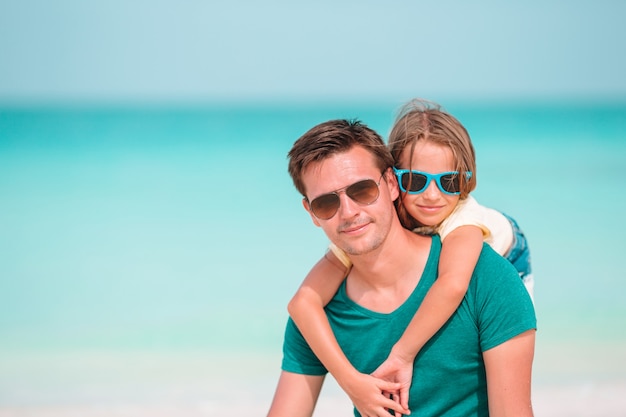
(429, 221)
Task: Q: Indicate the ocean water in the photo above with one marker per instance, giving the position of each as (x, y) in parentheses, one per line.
(147, 254)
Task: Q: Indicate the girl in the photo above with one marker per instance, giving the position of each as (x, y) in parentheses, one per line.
(436, 171)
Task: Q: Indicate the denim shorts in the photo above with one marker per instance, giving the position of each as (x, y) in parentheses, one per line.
(519, 254)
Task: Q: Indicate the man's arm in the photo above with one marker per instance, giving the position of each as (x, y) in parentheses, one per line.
(296, 395)
(509, 367)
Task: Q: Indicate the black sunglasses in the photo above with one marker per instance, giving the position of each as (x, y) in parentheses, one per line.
(364, 192)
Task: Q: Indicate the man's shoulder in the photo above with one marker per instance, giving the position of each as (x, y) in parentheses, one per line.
(495, 274)
(491, 262)
(488, 254)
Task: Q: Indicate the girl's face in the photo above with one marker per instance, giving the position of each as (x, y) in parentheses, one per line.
(432, 206)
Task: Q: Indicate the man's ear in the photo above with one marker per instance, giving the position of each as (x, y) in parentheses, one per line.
(307, 207)
(392, 182)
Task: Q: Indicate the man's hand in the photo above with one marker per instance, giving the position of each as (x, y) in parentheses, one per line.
(398, 371)
(371, 396)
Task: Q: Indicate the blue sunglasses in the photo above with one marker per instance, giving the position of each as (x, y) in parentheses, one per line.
(416, 182)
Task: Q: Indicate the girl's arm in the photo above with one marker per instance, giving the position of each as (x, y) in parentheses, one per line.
(306, 308)
(459, 253)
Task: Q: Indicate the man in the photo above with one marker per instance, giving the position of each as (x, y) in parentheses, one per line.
(478, 364)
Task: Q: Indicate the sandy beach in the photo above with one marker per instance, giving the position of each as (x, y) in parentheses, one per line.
(576, 399)
(580, 381)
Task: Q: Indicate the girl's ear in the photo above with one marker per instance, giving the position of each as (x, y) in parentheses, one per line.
(305, 203)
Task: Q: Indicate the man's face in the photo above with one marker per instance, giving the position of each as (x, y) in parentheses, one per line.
(356, 228)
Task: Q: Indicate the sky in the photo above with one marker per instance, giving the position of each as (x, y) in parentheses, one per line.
(290, 50)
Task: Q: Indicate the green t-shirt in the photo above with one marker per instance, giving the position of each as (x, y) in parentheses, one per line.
(449, 374)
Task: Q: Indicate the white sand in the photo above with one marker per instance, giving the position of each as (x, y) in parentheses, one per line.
(569, 381)
(576, 400)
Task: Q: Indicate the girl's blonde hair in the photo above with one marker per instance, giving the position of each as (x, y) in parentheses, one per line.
(424, 120)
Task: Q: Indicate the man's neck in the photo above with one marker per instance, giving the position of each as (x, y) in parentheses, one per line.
(383, 279)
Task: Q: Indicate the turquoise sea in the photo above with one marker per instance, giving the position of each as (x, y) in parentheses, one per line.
(147, 254)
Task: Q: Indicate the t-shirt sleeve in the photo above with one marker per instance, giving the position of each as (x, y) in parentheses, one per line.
(297, 355)
(504, 308)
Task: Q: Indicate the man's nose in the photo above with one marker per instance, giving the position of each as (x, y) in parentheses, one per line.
(347, 207)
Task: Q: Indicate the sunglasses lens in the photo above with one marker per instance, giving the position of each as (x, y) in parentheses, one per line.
(450, 183)
(363, 192)
(413, 182)
(325, 206)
